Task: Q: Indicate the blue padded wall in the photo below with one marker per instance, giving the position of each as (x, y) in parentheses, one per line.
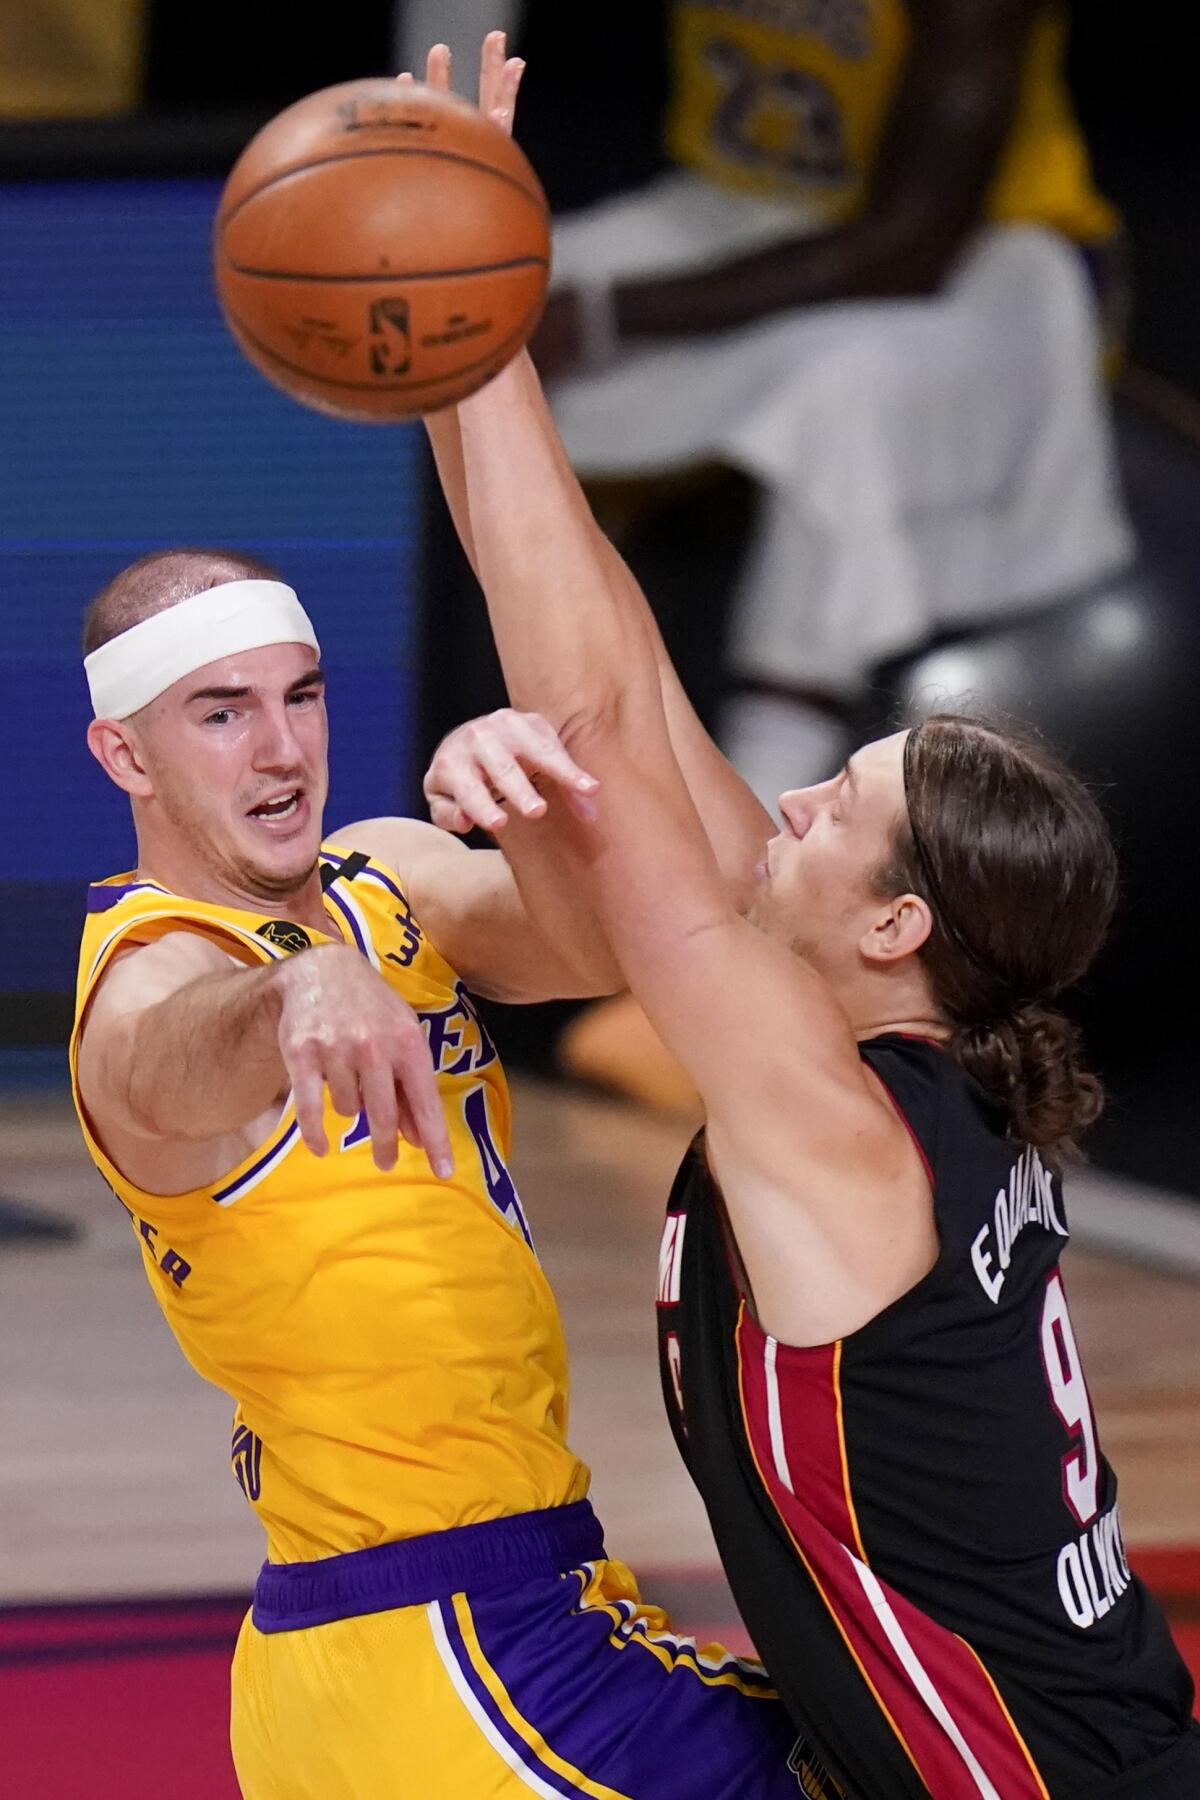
(128, 422)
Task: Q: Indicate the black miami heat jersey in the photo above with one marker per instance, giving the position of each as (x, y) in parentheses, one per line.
(917, 1521)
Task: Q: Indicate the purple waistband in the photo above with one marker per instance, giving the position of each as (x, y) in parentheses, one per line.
(415, 1571)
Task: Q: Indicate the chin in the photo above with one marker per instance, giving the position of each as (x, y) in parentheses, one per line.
(283, 875)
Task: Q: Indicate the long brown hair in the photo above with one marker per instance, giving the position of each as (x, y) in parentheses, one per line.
(1015, 859)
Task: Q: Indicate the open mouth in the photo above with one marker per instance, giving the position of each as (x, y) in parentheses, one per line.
(278, 807)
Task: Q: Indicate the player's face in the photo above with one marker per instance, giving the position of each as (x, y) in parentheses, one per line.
(814, 890)
(236, 753)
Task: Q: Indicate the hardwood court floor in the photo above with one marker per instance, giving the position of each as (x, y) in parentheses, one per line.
(114, 1455)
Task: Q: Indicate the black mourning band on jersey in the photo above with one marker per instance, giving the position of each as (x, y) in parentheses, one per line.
(933, 886)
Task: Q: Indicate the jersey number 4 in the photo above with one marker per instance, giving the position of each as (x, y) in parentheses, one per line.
(496, 1178)
(1072, 1403)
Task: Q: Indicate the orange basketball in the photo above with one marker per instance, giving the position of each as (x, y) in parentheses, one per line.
(381, 250)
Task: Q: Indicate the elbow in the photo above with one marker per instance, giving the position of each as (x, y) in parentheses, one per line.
(594, 719)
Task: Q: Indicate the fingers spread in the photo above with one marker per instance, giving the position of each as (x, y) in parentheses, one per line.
(383, 1116)
(505, 776)
(308, 1095)
(342, 1080)
(461, 785)
(414, 1076)
(447, 815)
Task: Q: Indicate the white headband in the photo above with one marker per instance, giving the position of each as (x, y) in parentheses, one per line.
(135, 667)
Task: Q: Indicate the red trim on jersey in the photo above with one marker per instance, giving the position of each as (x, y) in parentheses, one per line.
(929, 1684)
(906, 1122)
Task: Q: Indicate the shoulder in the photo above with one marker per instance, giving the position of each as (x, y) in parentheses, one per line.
(139, 973)
(405, 846)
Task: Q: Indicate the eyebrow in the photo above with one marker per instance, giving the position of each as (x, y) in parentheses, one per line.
(848, 772)
(309, 679)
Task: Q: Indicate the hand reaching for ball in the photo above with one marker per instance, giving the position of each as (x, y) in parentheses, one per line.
(499, 77)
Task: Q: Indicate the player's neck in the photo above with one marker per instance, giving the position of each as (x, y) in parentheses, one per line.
(191, 878)
(898, 1001)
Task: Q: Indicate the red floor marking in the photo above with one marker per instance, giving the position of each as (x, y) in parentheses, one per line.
(130, 1701)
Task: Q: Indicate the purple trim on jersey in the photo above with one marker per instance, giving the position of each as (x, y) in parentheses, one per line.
(495, 1553)
(234, 1187)
(101, 897)
(350, 919)
(385, 881)
(332, 856)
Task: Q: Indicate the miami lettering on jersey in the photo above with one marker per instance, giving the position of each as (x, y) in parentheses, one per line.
(390, 1340)
(791, 98)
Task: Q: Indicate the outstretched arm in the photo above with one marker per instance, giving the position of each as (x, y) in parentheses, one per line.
(737, 825)
(181, 1047)
(810, 1157)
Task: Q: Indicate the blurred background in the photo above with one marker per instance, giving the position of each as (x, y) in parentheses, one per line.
(129, 422)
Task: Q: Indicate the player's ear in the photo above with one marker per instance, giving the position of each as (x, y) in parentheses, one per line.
(898, 929)
(115, 747)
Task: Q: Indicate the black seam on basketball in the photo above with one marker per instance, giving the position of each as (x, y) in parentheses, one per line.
(537, 200)
(390, 275)
(375, 387)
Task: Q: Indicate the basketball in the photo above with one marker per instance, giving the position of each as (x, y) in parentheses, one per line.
(381, 250)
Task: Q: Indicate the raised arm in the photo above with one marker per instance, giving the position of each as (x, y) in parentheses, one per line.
(737, 825)
(809, 1154)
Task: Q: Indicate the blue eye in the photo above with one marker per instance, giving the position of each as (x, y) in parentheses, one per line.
(219, 717)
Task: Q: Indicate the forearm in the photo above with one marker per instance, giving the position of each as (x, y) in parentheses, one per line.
(893, 257)
(559, 909)
(570, 641)
(735, 823)
(206, 1059)
(445, 441)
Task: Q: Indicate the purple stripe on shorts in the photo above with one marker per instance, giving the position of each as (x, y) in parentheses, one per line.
(559, 1784)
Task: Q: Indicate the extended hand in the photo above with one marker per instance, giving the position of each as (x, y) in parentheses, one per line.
(499, 77)
(343, 1028)
(489, 762)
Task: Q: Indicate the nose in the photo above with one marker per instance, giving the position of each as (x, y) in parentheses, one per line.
(796, 809)
(277, 748)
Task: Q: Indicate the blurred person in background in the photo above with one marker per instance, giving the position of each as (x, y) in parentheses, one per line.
(878, 280)
(70, 58)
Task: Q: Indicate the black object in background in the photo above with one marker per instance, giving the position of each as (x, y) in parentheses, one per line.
(229, 56)
(1139, 116)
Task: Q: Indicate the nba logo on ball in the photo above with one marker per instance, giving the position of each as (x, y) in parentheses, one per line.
(391, 345)
(381, 252)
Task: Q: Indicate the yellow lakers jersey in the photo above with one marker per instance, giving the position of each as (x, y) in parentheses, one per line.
(391, 1342)
(791, 97)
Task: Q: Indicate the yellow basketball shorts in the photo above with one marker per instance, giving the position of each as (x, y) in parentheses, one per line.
(493, 1662)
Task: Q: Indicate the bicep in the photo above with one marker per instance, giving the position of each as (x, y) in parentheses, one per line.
(138, 978)
(471, 905)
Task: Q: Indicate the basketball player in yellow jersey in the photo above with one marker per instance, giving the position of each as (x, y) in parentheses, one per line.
(280, 1073)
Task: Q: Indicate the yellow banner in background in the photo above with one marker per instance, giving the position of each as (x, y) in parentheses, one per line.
(70, 58)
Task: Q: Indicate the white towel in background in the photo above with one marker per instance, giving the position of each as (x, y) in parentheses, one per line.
(925, 463)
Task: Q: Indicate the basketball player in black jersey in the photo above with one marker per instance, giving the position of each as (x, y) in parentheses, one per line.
(867, 1354)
